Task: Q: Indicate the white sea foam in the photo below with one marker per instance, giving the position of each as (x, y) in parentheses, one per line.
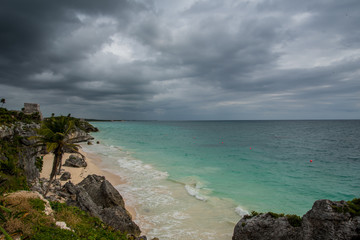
(240, 211)
(163, 208)
(195, 192)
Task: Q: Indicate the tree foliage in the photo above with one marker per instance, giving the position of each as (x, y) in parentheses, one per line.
(56, 134)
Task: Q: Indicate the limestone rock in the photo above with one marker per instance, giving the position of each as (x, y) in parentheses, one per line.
(80, 198)
(101, 191)
(75, 161)
(119, 218)
(264, 227)
(65, 176)
(98, 197)
(6, 131)
(63, 225)
(326, 220)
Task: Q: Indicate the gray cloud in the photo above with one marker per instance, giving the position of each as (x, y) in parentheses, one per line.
(192, 59)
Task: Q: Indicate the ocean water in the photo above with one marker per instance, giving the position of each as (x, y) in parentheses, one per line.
(195, 179)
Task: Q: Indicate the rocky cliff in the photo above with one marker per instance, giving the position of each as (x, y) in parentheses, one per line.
(327, 220)
(15, 142)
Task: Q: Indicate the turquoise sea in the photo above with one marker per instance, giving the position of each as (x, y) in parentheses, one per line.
(195, 179)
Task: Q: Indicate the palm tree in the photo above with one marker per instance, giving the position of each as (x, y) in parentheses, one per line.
(2, 101)
(56, 134)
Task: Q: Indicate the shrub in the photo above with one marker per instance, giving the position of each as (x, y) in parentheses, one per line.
(275, 215)
(354, 207)
(53, 233)
(294, 220)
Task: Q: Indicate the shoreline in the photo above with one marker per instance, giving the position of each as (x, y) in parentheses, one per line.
(94, 166)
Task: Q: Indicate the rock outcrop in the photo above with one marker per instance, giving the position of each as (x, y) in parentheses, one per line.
(327, 220)
(75, 161)
(98, 197)
(82, 131)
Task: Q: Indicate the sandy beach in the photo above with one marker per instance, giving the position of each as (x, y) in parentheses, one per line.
(94, 166)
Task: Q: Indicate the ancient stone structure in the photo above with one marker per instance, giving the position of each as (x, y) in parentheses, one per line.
(30, 108)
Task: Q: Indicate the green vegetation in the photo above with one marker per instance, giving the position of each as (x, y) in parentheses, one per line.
(294, 220)
(55, 133)
(39, 163)
(275, 215)
(352, 207)
(25, 217)
(84, 226)
(37, 204)
(253, 214)
(8, 117)
(11, 176)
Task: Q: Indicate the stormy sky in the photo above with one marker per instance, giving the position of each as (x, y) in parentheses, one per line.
(182, 60)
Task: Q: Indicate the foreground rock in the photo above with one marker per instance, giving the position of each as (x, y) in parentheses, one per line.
(65, 176)
(97, 196)
(326, 220)
(75, 161)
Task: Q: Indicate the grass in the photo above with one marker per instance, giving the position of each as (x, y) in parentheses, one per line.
(27, 218)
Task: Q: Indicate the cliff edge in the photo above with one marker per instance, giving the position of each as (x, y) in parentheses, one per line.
(327, 220)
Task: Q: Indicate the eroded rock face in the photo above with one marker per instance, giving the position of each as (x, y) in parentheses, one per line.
(326, 220)
(98, 197)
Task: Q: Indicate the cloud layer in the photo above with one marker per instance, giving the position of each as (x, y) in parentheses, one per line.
(200, 59)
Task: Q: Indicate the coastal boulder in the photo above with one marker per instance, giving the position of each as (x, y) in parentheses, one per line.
(264, 227)
(65, 176)
(97, 196)
(81, 199)
(102, 191)
(75, 161)
(326, 220)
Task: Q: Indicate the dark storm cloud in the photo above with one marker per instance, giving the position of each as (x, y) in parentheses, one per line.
(183, 60)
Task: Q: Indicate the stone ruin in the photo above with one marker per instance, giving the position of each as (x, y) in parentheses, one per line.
(30, 108)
